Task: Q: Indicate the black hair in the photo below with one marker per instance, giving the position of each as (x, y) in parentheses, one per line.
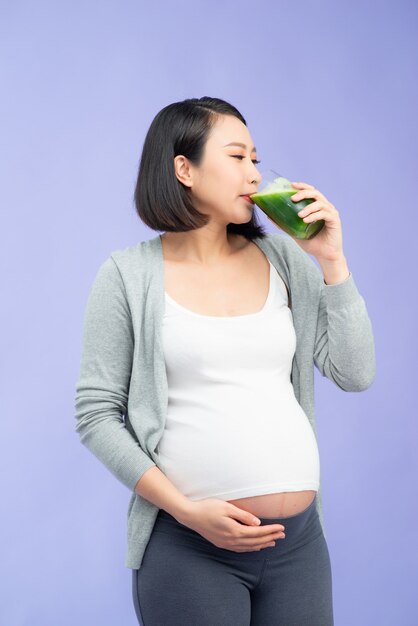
(162, 202)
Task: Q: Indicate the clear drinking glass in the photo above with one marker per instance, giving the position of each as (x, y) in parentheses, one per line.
(274, 199)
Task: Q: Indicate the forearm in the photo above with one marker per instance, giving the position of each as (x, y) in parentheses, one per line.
(155, 487)
(344, 343)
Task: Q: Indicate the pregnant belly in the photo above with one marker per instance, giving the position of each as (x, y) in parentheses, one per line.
(282, 504)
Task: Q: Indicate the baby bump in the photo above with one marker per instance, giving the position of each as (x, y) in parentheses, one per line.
(280, 504)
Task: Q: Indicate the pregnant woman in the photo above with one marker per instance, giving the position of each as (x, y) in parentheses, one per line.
(196, 382)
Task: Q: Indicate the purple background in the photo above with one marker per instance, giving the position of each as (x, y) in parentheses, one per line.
(329, 92)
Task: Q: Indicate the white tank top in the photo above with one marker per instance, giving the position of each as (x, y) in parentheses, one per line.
(234, 427)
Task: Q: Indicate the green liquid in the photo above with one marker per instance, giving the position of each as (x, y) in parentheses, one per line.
(283, 212)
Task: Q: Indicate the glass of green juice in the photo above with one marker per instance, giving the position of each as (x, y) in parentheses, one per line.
(274, 199)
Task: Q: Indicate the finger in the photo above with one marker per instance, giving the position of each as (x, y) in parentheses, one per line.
(255, 541)
(255, 548)
(271, 544)
(318, 215)
(311, 208)
(307, 193)
(328, 210)
(259, 546)
(260, 532)
(303, 185)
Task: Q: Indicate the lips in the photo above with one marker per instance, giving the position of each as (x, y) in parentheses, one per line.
(248, 199)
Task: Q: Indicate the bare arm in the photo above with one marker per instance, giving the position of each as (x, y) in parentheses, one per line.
(212, 518)
(155, 487)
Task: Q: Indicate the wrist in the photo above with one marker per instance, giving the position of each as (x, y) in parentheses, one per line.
(184, 511)
(334, 271)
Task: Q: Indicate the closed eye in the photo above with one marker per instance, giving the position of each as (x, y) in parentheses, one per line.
(239, 156)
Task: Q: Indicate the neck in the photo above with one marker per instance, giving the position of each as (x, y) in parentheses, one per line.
(202, 246)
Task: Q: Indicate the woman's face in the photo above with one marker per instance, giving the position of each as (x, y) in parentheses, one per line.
(226, 173)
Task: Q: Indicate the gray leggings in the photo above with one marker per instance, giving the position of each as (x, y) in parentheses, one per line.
(184, 580)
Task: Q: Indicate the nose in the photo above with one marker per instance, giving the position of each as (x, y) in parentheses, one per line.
(255, 176)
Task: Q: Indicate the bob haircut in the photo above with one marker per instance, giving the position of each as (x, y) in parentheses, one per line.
(162, 202)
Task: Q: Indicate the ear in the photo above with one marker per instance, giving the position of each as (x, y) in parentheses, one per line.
(183, 170)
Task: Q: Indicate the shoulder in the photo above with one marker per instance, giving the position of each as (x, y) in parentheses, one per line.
(135, 258)
(129, 253)
(121, 266)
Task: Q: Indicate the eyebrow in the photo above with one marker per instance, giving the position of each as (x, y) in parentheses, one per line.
(241, 145)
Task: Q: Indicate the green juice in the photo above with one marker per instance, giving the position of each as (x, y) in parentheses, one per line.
(283, 212)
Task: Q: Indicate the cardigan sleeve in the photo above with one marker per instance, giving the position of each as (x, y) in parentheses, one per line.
(344, 348)
(102, 388)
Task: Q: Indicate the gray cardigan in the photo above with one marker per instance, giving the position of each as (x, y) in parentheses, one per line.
(121, 393)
